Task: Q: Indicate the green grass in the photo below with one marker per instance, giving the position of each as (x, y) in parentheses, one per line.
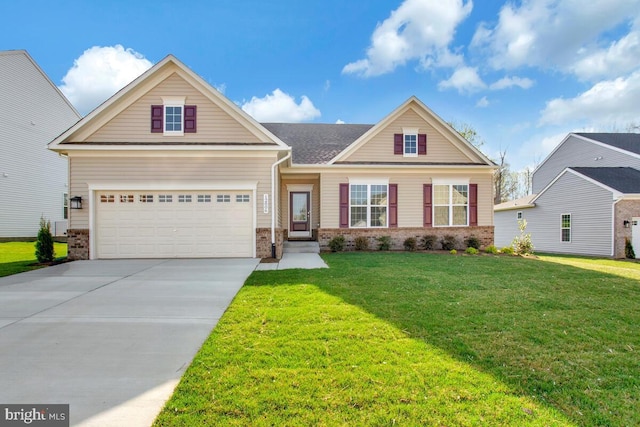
(423, 339)
(17, 257)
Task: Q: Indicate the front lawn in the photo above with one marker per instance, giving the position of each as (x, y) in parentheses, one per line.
(423, 339)
(17, 257)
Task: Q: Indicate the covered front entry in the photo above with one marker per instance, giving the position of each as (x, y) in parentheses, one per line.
(174, 224)
(300, 211)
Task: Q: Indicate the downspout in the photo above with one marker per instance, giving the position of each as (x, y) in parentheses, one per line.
(274, 203)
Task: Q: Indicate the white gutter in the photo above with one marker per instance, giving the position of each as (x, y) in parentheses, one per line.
(274, 203)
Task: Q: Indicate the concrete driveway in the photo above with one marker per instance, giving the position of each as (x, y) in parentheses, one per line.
(109, 338)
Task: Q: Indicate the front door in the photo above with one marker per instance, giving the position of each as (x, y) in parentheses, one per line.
(299, 214)
(635, 235)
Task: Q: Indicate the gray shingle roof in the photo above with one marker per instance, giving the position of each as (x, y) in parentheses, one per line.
(623, 179)
(316, 143)
(625, 141)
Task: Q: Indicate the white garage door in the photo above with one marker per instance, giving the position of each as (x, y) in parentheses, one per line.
(169, 224)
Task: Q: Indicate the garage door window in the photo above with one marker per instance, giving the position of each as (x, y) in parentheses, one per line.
(146, 198)
(184, 198)
(242, 198)
(165, 198)
(223, 198)
(126, 198)
(107, 198)
(204, 198)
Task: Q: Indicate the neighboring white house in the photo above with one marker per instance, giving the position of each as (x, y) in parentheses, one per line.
(33, 180)
(585, 201)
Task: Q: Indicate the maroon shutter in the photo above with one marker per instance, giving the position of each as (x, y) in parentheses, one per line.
(157, 122)
(428, 211)
(190, 118)
(473, 205)
(398, 143)
(422, 144)
(344, 205)
(393, 205)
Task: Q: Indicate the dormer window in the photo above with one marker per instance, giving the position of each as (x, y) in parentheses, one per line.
(173, 118)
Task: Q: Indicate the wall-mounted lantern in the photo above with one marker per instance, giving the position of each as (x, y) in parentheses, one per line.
(626, 223)
(76, 202)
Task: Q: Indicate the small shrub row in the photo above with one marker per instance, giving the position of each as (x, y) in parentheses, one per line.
(428, 242)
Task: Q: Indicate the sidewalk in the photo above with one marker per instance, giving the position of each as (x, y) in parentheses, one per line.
(294, 260)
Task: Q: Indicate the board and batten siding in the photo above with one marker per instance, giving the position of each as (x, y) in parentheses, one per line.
(590, 207)
(380, 147)
(134, 123)
(576, 152)
(182, 171)
(33, 179)
(410, 195)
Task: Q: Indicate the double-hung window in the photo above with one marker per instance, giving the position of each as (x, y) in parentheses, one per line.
(411, 144)
(565, 227)
(451, 205)
(173, 119)
(368, 205)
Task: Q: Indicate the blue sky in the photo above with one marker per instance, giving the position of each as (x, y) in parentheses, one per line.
(522, 73)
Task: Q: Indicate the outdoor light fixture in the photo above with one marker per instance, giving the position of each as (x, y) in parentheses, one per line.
(626, 223)
(76, 202)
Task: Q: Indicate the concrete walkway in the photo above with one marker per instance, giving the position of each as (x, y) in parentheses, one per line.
(109, 338)
(294, 260)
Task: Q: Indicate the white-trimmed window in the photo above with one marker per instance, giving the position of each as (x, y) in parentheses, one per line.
(65, 205)
(173, 115)
(519, 215)
(450, 205)
(204, 198)
(565, 227)
(223, 198)
(242, 198)
(165, 198)
(410, 145)
(184, 198)
(368, 205)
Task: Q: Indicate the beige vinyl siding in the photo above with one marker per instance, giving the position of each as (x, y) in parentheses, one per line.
(410, 195)
(315, 200)
(134, 123)
(149, 171)
(380, 147)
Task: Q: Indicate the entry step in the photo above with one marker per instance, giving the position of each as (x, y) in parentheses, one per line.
(301, 247)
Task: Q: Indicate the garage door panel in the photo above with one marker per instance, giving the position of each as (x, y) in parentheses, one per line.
(184, 224)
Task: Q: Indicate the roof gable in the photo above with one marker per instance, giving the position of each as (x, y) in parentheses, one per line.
(130, 109)
(376, 145)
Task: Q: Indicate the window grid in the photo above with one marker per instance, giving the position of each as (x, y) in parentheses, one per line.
(204, 198)
(368, 205)
(565, 227)
(165, 198)
(173, 119)
(184, 198)
(242, 198)
(411, 145)
(107, 198)
(451, 205)
(223, 198)
(146, 198)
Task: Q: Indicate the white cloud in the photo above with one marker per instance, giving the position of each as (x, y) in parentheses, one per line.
(606, 103)
(620, 56)
(417, 30)
(507, 82)
(464, 79)
(339, 122)
(553, 34)
(99, 73)
(280, 107)
(482, 102)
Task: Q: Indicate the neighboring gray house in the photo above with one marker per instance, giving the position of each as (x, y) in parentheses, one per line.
(586, 198)
(33, 180)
